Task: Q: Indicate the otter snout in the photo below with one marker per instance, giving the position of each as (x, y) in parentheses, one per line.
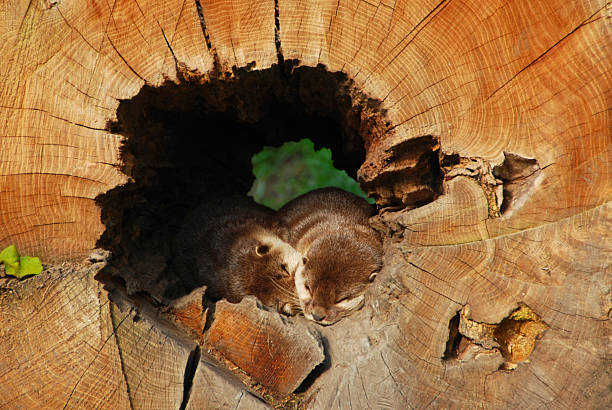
(323, 316)
(290, 260)
(330, 227)
(327, 315)
(318, 313)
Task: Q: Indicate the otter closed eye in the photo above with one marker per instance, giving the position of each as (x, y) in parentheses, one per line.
(350, 304)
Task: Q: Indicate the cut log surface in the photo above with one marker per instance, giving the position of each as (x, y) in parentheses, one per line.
(57, 344)
(65, 345)
(513, 97)
(277, 354)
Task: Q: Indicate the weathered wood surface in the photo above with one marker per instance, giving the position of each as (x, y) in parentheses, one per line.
(277, 352)
(63, 344)
(527, 78)
(57, 344)
(391, 352)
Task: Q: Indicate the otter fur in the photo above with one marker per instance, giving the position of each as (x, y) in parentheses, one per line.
(330, 228)
(236, 248)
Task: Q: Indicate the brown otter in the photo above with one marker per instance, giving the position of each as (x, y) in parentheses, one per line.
(329, 227)
(236, 248)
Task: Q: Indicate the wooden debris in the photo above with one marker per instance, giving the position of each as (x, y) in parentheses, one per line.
(276, 352)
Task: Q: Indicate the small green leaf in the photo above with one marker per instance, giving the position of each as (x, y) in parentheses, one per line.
(29, 266)
(9, 255)
(19, 266)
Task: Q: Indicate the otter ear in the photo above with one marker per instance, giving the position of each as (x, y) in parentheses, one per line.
(372, 276)
(261, 250)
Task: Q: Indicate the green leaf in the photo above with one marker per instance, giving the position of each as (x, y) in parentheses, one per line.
(30, 265)
(10, 257)
(19, 266)
(293, 169)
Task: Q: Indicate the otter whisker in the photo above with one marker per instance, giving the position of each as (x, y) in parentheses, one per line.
(284, 290)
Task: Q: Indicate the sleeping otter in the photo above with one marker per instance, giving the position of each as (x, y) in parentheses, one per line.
(329, 227)
(236, 248)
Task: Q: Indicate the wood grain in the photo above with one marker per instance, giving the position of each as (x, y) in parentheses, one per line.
(274, 352)
(483, 79)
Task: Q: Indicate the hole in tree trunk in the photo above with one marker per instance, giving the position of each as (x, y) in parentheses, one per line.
(191, 141)
(514, 337)
(520, 176)
(454, 338)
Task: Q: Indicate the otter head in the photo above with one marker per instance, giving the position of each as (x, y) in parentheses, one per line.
(273, 264)
(333, 278)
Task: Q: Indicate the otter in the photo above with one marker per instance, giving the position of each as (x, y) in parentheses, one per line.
(236, 248)
(342, 253)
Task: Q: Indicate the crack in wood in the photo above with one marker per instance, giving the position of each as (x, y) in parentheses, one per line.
(233, 50)
(430, 288)
(425, 270)
(423, 22)
(114, 311)
(399, 390)
(54, 116)
(363, 387)
(51, 173)
(364, 35)
(90, 363)
(541, 56)
(190, 370)
(87, 95)
(206, 35)
(277, 39)
(25, 16)
(124, 60)
(239, 400)
(75, 30)
(170, 48)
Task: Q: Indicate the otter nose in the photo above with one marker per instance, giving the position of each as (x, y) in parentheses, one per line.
(318, 313)
(317, 317)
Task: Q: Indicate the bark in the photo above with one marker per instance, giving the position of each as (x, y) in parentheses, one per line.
(483, 130)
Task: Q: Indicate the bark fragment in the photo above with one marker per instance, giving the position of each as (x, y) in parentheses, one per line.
(402, 174)
(274, 351)
(481, 171)
(514, 337)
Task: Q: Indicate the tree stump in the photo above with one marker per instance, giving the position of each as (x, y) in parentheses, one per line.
(483, 131)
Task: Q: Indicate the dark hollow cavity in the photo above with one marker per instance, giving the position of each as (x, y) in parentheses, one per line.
(191, 141)
(520, 176)
(454, 338)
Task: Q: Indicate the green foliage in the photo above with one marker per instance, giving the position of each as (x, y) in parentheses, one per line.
(19, 266)
(293, 169)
